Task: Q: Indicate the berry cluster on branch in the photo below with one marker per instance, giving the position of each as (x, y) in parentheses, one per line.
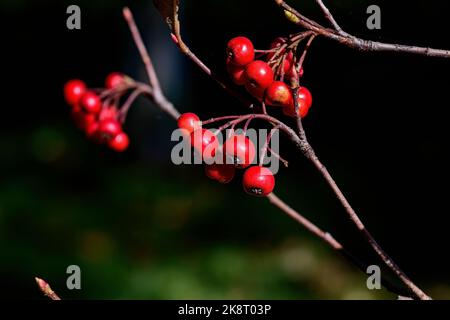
(272, 81)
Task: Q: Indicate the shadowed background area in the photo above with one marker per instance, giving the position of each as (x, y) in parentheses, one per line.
(140, 227)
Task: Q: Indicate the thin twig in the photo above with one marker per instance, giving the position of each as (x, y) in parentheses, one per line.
(329, 16)
(355, 42)
(305, 51)
(45, 288)
(157, 94)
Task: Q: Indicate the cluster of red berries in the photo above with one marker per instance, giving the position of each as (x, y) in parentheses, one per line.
(237, 151)
(98, 119)
(259, 78)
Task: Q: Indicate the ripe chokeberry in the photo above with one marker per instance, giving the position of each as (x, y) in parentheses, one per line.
(304, 103)
(240, 51)
(113, 80)
(205, 143)
(258, 181)
(259, 76)
(120, 142)
(109, 128)
(279, 94)
(73, 90)
(189, 121)
(240, 150)
(237, 73)
(90, 102)
(222, 173)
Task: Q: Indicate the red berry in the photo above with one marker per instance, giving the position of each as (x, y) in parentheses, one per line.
(237, 73)
(90, 125)
(204, 142)
(304, 103)
(279, 94)
(73, 90)
(189, 121)
(113, 80)
(90, 102)
(259, 76)
(222, 173)
(108, 113)
(258, 181)
(120, 142)
(240, 150)
(109, 128)
(240, 51)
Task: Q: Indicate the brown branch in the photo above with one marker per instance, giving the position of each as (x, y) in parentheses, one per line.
(329, 240)
(309, 153)
(45, 288)
(329, 16)
(299, 140)
(352, 41)
(156, 94)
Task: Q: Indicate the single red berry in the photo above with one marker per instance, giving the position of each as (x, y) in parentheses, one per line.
(240, 51)
(73, 90)
(120, 142)
(304, 103)
(240, 150)
(108, 113)
(90, 102)
(258, 181)
(237, 73)
(204, 142)
(279, 94)
(189, 121)
(259, 76)
(113, 80)
(222, 173)
(109, 128)
(91, 128)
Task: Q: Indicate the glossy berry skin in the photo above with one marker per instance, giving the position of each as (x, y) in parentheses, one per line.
(109, 128)
(259, 76)
(222, 173)
(304, 104)
(113, 80)
(279, 94)
(236, 73)
(204, 142)
(258, 181)
(240, 51)
(239, 150)
(73, 90)
(120, 142)
(189, 121)
(90, 102)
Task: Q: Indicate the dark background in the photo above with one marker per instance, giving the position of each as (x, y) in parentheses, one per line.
(140, 227)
